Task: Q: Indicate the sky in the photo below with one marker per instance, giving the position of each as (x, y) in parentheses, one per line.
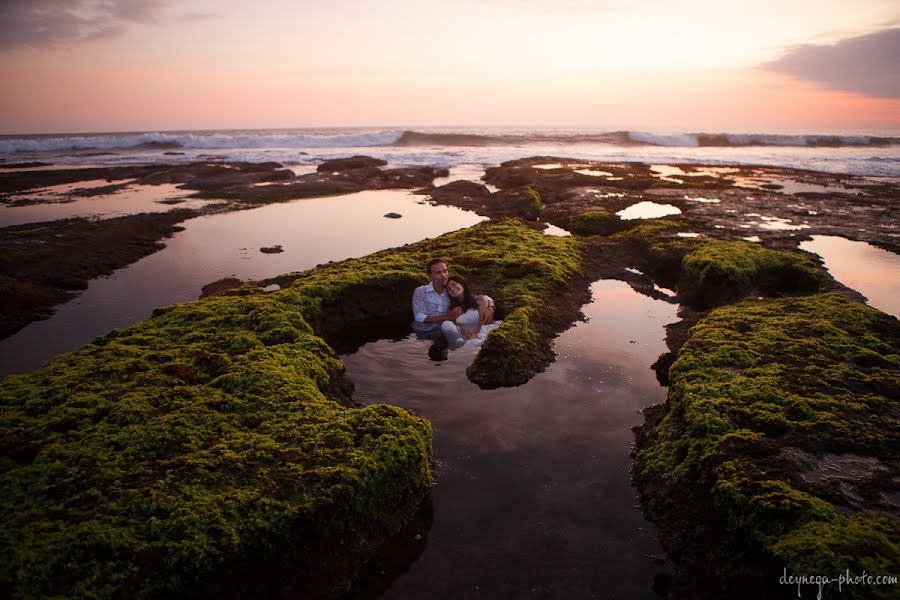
(662, 65)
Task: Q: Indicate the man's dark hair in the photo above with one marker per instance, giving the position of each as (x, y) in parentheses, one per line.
(433, 262)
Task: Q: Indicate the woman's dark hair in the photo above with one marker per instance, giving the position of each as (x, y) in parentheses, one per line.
(468, 298)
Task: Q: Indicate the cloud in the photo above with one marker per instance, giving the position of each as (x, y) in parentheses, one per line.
(58, 23)
(194, 17)
(866, 64)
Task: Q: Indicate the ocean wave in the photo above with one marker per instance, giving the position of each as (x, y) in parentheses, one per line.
(157, 141)
(226, 140)
(642, 138)
(740, 140)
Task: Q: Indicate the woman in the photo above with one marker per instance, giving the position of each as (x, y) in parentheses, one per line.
(473, 324)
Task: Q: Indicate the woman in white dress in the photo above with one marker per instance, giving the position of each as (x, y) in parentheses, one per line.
(473, 324)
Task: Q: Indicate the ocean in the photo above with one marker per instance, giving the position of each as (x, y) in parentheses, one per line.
(864, 153)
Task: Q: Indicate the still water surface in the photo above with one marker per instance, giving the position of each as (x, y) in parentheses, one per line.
(311, 232)
(534, 496)
(871, 271)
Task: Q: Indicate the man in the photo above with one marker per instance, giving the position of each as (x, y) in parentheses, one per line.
(430, 303)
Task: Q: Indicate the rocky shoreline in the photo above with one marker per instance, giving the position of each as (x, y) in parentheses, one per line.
(774, 370)
(43, 264)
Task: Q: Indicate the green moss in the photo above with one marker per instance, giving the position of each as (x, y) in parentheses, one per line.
(163, 451)
(819, 373)
(150, 460)
(525, 201)
(717, 271)
(596, 222)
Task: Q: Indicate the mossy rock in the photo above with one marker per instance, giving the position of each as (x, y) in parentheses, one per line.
(161, 456)
(531, 276)
(523, 202)
(719, 271)
(755, 385)
(157, 456)
(596, 222)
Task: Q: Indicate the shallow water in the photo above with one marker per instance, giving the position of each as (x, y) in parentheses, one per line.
(648, 210)
(871, 271)
(132, 199)
(533, 498)
(311, 232)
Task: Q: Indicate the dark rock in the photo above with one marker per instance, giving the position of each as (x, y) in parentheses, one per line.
(393, 215)
(217, 288)
(44, 265)
(24, 165)
(347, 164)
(458, 192)
(272, 249)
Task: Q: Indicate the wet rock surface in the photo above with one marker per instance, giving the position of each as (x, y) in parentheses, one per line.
(698, 259)
(72, 252)
(43, 264)
(779, 206)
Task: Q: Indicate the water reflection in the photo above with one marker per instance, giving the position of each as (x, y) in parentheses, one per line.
(534, 496)
(311, 232)
(871, 271)
(648, 210)
(130, 200)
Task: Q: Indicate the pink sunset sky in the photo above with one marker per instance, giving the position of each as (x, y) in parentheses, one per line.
(139, 65)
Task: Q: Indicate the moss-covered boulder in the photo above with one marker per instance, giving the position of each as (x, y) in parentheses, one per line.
(718, 271)
(535, 279)
(737, 468)
(524, 202)
(596, 222)
(216, 434)
(168, 452)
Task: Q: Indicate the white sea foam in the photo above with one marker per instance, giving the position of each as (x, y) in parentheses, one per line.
(301, 148)
(654, 139)
(196, 140)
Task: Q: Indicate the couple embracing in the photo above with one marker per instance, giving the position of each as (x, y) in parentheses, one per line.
(447, 307)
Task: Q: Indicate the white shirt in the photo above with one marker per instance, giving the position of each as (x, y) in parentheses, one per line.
(427, 302)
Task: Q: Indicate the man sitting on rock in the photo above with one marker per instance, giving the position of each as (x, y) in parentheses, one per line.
(431, 304)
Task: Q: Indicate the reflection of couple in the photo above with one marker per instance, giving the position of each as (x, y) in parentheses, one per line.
(448, 306)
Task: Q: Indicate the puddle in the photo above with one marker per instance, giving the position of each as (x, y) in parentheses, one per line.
(702, 199)
(687, 234)
(594, 173)
(871, 271)
(534, 491)
(61, 191)
(132, 199)
(665, 173)
(777, 224)
(789, 186)
(666, 291)
(557, 231)
(752, 238)
(548, 166)
(299, 170)
(713, 171)
(466, 172)
(647, 210)
(227, 245)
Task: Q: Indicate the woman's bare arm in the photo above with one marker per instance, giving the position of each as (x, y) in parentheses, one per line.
(485, 309)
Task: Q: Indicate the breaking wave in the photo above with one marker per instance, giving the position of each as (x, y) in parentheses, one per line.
(641, 138)
(395, 138)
